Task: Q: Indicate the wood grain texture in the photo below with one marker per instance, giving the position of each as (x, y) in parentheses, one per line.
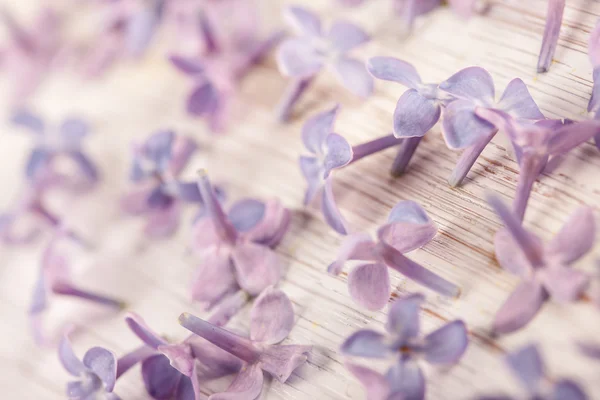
(258, 157)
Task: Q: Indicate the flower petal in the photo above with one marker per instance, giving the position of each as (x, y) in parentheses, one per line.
(211, 362)
(256, 266)
(527, 366)
(186, 390)
(395, 70)
(520, 307)
(37, 162)
(510, 255)
(354, 76)
(572, 135)
(357, 246)
(403, 316)
(246, 214)
(366, 343)
(375, 384)
(554, 18)
(298, 58)
(67, 357)
(316, 129)
(517, 101)
(345, 36)
(138, 326)
(214, 211)
(26, 119)
(447, 344)
(270, 230)
(407, 380)
(158, 148)
(564, 284)
(214, 277)
(188, 191)
(338, 153)
(472, 83)
(406, 236)
(462, 127)
(180, 357)
(281, 361)
(73, 130)
(591, 350)
(202, 99)
(140, 29)
(182, 151)
(415, 115)
(567, 389)
(576, 237)
(247, 385)
(136, 202)
(161, 380)
(271, 317)
(163, 222)
(187, 65)
(303, 21)
(330, 209)
(104, 364)
(369, 285)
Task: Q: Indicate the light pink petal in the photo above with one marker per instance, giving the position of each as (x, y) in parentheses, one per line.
(520, 307)
(369, 285)
(354, 76)
(180, 356)
(472, 83)
(303, 21)
(395, 70)
(375, 384)
(204, 234)
(517, 101)
(215, 276)
(298, 58)
(357, 246)
(509, 254)
(345, 36)
(576, 237)
(407, 236)
(272, 317)
(563, 283)
(281, 361)
(273, 225)
(247, 385)
(256, 266)
(163, 222)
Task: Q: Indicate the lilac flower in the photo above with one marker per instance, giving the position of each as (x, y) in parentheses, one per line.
(403, 341)
(55, 279)
(544, 269)
(330, 151)
(554, 18)
(236, 248)
(271, 320)
(408, 227)
(473, 89)
(55, 144)
(303, 57)
(176, 371)
(31, 52)
(528, 366)
(594, 54)
(535, 144)
(156, 167)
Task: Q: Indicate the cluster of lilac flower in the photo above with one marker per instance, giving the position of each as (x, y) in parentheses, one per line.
(236, 249)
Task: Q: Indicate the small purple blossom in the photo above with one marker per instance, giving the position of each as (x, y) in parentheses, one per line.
(330, 151)
(544, 269)
(54, 279)
(408, 227)
(304, 56)
(554, 16)
(271, 320)
(528, 367)
(237, 247)
(52, 145)
(403, 341)
(157, 164)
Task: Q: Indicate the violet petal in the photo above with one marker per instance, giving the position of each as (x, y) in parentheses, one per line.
(271, 317)
(414, 115)
(298, 58)
(282, 360)
(564, 284)
(27, 119)
(138, 326)
(345, 36)
(406, 379)
(567, 389)
(316, 129)
(339, 153)
(256, 266)
(73, 130)
(462, 127)
(354, 76)
(189, 66)
(180, 357)
(161, 380)
(331, 212)
(510, 256)
(517, 101)
(406, 237)
(527, 365)
(395, 70)
(68, 358)
(303, 21)
(520, 307)
(163, 222)
(447, 344)
(403, 316)
(85, 164)
(247, 385)
(366, 343)
(570, 136)
(369, 285)
(358, 246)
(215, 276)
(576, 237)
(313, 173)
(554, 16)
(202, 99)
(246, 214)
(471, 83)
(375, 384)
(104, 364)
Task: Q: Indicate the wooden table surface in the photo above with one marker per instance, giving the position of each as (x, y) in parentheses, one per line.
(259, 157)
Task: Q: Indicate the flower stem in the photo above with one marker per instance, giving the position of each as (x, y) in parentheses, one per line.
(213, 209)
(292, 94)
(130, 359)
(407, 149)
(554, 18)
(66, 289)
(467, 159)
(374, 146)
(230, 342)
(228, 308)
(531, 167)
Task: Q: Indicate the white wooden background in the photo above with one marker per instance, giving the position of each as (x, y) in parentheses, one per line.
(258, 157)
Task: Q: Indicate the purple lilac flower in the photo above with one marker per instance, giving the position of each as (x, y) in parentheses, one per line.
(55, 144)
(237, 247)
(408, 227)
(55, 279)
(303, 57)
(271, 320)
(157, 164)
(535, 144)
(403, 341)
(544, 269)
(330, 151)
(176, 371)
(31, 51)
(554, 18)
(594, 54)
(528, 367)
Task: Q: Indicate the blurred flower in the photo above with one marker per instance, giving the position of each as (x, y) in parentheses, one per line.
(330, 151)
(594, 55)
(55, 279)
(157, 164)
(554, 18)
(54, 144)
(303, 57)
(528, 367)
(271, 320)
(544, 269)
(408, 227)
(403, 341)
(236, 248)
